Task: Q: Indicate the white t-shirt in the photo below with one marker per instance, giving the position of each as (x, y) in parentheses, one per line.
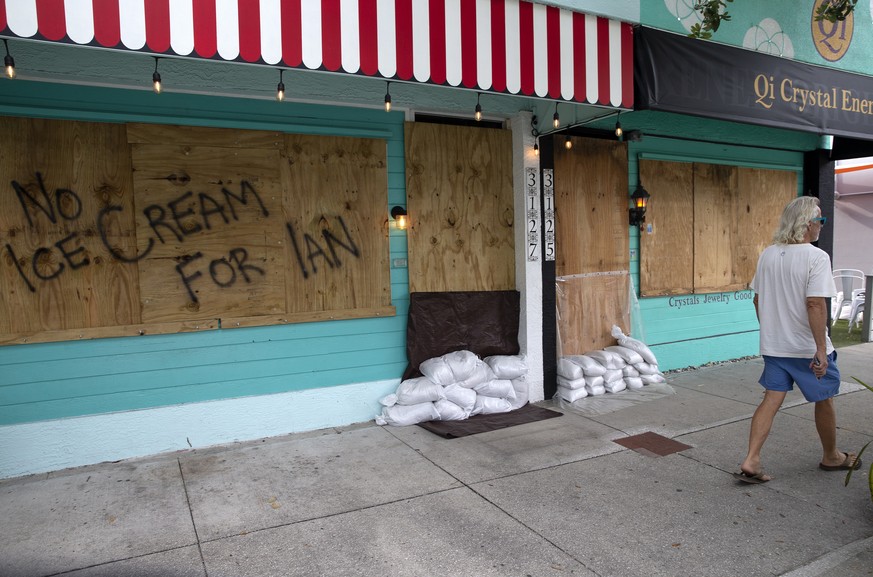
(786, 275)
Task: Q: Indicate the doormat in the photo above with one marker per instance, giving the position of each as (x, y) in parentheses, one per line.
(652, 444)
(484, 423)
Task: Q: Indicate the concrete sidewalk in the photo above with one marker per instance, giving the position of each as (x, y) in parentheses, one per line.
(556, 497)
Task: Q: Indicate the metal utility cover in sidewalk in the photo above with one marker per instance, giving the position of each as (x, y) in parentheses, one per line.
(652, 444)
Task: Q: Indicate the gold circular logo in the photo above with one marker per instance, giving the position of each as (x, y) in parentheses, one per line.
(832, 39)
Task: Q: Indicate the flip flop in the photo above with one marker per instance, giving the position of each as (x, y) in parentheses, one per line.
(851, 462)
(751, 479)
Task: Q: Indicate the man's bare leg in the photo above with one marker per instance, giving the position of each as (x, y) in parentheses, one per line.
(826, 425)
(762, 421)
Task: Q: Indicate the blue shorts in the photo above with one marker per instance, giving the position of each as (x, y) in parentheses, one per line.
(780, 374)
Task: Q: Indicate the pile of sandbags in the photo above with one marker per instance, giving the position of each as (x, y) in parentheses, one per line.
(628, 365)
(456, 386)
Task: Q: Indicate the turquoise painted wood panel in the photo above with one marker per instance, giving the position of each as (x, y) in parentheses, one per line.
(56, 380)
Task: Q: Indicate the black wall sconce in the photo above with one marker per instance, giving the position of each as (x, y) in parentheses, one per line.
(401, 219)
(640, 199)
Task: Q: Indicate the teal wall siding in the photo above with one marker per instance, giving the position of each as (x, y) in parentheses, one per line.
(690, 330)
(65, 379)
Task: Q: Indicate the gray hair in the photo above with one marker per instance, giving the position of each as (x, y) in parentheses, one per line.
(795, 220)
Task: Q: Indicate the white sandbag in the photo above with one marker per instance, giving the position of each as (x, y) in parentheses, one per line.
(497, 388)
(569, 370)
(388, 400)
(490, 405)
(607, 359)
(630, 356)
(522, 392)
(462, 364)
(612, 376)
(633, 383)
(630, 371)
(507, 366)
(575, 383)
(403, 415)
(594, 381)
(634, 344)
(482, 373)
(595, 390)
(615, 386)
(590, 367)
(572, 395)
(461, 396)
(438, 371)
(653, 379)
(647, 369)
(418, 390)
(449, 411)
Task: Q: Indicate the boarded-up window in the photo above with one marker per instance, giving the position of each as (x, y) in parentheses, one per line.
(592, 261)
(459, 195)
(706, 224)
(110, 230)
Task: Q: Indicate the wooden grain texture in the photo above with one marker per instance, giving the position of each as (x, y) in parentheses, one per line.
(667, 252)
(459, 195)
(336, 233)
(217, 249)
(591, 199)
(715, 230)
(761, 196)
(110, 230)
(709, 224)
(588, 307)
(56, 271)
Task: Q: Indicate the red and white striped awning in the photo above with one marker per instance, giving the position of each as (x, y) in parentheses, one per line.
(504, 46)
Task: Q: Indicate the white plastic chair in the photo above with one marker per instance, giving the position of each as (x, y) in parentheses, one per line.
(848, 281)
(857, 310)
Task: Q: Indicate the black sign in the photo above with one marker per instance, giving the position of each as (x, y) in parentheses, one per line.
(675, 73)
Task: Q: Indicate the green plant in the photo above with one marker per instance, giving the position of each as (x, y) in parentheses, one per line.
(712, 15)
(861, 452)
(835, 10)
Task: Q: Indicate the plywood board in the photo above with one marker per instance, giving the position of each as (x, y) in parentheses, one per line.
(667, 243)
(57, 270)
(588, 307)
(336, 224)
(761, 196)
(715, 231)
(112, 230)
(210, 231)
(591, 196)
(591, 192)
(460, 204)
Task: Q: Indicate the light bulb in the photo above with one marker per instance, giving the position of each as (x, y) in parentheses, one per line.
(156, 81)
(568, 144)
(536, 149)
(478, 112)
(280, 92)
(387, 102)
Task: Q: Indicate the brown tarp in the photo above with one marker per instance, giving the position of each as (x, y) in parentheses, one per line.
(483, 322)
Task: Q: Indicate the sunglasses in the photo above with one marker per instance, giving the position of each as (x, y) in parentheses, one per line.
(820, 219)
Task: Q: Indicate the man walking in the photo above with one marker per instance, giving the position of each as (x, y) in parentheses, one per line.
(792, 282)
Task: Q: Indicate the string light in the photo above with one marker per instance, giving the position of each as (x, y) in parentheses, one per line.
(8, 61)
(556, 120)
(568, 144)
(156, 78)
(387, 97)
(478, 108)
(536, 148)
(280, 89)
(618, 130)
